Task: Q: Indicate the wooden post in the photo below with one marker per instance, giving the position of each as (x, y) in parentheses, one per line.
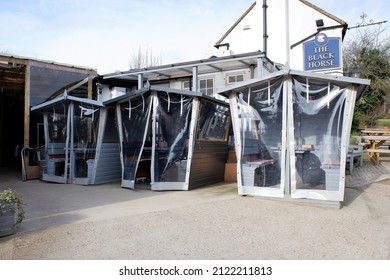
(90, 79)
(26, 141)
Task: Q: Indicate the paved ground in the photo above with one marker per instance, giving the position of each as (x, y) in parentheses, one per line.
(108, 222)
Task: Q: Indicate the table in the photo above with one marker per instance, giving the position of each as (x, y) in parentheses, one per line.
(375, 131)
(376, 139)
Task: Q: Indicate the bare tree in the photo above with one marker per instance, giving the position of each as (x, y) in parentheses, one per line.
(5, 52)
(370, 52)
(144, 58)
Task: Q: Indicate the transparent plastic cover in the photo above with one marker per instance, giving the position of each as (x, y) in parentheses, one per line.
(44, 82)
(85, 132)
(172, 125)
(260, 123)
(135, 119)
(318, 110)
(57, 119)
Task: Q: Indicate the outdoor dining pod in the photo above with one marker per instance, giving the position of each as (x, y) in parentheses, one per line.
(292, 133)
(81, 142)
(171, 139)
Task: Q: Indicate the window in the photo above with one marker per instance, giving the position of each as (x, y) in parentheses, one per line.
(187, 85)
(231, 79)
(206, 86)
(213, 122)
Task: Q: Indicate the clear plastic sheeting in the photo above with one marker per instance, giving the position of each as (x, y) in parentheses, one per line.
(135, 123)
(57, 119)
(171, 126)
(111, 129)
(161, 130)
(45, 82)
(318, 112)
(292, 132)
(213, 122)
(260, 123)
(71, 127)
(85, 132)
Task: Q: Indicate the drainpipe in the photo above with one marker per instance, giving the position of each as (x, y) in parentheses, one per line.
(265, 35)
(287, 22)
(252, 69)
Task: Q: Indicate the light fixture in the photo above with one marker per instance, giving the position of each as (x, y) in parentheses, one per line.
(319, 23)
(356, 72)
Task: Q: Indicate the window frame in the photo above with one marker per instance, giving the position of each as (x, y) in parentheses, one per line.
(229, 123)
(207, 79)
(235, 75)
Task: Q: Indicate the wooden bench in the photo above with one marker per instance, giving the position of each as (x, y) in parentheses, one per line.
(386, 144)
(55, 158)
(374, 154)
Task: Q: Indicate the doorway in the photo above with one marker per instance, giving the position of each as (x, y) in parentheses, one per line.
(11, 128)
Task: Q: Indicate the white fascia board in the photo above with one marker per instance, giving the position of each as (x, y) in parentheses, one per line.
(64, 98)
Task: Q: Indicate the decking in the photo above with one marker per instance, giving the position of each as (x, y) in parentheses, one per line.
(369, 173)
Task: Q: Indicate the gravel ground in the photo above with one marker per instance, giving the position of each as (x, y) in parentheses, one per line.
(208, 223)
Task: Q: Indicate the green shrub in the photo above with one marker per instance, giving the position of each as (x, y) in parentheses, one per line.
(356, 121)
(10, 201)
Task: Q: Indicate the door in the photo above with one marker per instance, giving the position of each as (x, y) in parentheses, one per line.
(319, 114)
(172, 124)
(261, 147)
(134, 117)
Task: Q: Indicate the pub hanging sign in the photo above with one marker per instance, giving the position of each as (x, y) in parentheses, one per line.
(322, 53)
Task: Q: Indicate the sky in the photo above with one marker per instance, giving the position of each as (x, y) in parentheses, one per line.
(105, 35)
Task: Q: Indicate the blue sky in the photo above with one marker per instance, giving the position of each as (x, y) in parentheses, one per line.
(105, 34)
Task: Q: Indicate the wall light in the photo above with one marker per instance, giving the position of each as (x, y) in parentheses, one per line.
(356, 72)
(319, 23)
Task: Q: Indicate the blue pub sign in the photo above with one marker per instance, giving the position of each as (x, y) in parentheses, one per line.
(322, 53)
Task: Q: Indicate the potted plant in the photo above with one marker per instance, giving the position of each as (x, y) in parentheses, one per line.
(11, 211)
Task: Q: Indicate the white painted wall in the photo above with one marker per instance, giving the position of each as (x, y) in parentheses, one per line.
(220, 79)
(110, 92)
(248, 34)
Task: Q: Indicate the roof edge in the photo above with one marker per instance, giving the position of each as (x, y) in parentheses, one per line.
(360, 83)
(329, 15)
(182, 64)
(63, 98)
(235, 24)
(36, 62)
(307, 3)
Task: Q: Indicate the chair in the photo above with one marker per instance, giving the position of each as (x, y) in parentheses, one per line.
(354, 151)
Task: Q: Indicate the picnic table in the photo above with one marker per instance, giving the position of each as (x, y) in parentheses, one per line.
(376, 138)
(376, 131)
